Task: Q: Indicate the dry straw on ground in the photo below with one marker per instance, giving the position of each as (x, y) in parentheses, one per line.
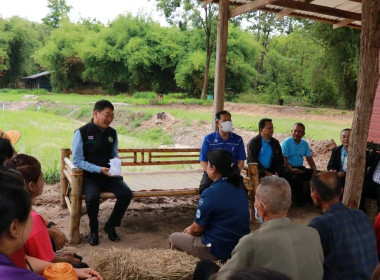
(151, 264)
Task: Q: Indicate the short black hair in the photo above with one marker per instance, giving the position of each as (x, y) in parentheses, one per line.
(299, 124)
(346, 129)
(327, 193)
(262, 123)
(219, 114)
(6, 150)
(102, 104)
(15, 201)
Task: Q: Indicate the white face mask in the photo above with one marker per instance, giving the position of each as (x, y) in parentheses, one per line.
(227, 126)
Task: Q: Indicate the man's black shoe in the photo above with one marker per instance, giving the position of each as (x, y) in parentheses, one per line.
(93, 239)
(112, 235)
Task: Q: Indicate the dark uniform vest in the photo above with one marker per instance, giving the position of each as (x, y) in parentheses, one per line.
(97, 145)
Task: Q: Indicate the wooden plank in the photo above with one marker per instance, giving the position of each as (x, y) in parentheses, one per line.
(342, 23)
(284, 12)
(160, 162)
(249, 7)
(161, 150)
(303, 6)
(206, 2)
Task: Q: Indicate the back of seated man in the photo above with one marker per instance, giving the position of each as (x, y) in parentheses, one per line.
(339, 156)
(294, 149)
(279, 244)
(347, 236)
(266, 150)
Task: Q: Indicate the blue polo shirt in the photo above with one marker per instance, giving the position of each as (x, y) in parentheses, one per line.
(295, 152)
(233, 144)
(223, 210)
(348, 241)
(266, 153)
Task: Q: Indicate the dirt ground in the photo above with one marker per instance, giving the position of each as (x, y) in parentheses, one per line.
(149, 221)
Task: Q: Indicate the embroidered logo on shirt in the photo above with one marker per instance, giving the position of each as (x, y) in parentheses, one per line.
(215, 140)
(90, 137)
(198, 215)
(200, 201)
(110, 139)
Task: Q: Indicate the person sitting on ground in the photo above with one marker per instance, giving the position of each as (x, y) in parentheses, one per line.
(339, 156)
(347, 235)
(15, 204)
(222, 217)
(94, 145)
(223, 138)
(376, 227)
(15, 224)
(371, 184)
(294, 149)
(38, 244)
(6, 151)
(292, 249)
(58, 238)
(266, 150)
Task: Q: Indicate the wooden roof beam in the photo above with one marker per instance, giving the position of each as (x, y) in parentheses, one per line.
(206, 2)
(342, 23)
(303, 6)
(284, 12)
(315, 18)
(287, 11)
(249, 7)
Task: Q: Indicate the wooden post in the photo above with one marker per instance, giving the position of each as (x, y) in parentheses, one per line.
(220, 64)
(368, 80)
(63, 180)
(253, 174)
(76, 205)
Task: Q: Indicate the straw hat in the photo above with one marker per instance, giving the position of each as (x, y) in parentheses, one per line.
(60, 271)
(12, 135)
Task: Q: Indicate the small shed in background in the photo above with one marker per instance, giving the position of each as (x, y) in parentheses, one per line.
(39, 80)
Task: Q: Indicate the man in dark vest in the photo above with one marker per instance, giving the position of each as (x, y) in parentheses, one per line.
(94, 145)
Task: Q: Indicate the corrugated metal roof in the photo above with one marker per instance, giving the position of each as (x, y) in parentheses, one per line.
(37, 75)
(338, 12)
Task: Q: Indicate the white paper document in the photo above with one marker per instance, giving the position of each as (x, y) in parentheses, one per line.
(115, 166)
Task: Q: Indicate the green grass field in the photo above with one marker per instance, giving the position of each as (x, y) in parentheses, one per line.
(46, 131)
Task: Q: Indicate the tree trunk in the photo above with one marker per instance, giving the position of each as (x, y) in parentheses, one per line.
(220, 63)
(207, 68)
(368, 81)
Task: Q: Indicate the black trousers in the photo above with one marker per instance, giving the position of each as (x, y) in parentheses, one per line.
(205, 269)
(296, 182)
(371, 190)
(93, 184)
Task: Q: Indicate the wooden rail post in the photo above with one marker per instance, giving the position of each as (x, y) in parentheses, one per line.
(63, 180)
(76, 204)
(253, 174)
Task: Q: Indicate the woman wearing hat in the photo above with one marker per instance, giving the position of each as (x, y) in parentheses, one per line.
(11, 135)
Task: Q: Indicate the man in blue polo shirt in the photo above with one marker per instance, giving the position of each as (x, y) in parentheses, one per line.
(222, 138)
(294, 149)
